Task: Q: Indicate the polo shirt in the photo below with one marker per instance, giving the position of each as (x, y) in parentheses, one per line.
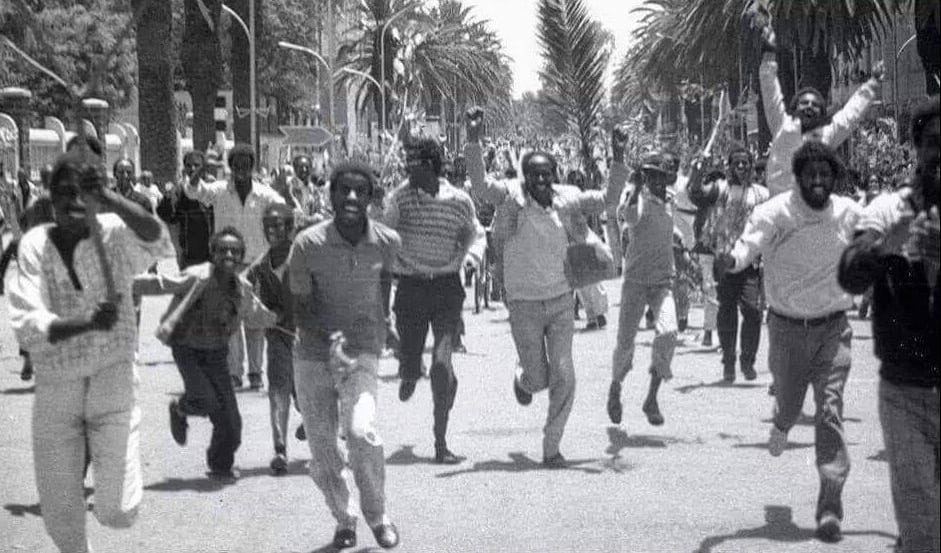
(342, 281)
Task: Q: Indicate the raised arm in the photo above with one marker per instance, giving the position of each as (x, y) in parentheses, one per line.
(486, 190)
(845, 120)
(702, 195)
(757, 236)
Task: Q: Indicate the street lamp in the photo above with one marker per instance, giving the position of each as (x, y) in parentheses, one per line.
(250, 35)
(326, 65)
(382, 65)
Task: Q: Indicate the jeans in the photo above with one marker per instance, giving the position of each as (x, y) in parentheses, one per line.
(437, 302)
(542, 332)
(710, 300)
(910, 424)
(101, 413)
(819, 356)
(594, 299)
(739, 292)
(327, 400)
(208, 392)
(634, 298)
(280, 385)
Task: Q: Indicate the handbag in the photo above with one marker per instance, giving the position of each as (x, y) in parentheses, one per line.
(588, 262)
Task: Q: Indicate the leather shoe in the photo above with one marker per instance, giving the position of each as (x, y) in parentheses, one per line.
(344, 538)
(444, 456)
(406, 389)
(828, 528)
(523, 397)
(387, 535)
(749, 373)
(556, 461)
(654, 416)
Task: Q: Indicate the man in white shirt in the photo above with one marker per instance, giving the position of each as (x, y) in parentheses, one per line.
(800, 236)
(240, 204)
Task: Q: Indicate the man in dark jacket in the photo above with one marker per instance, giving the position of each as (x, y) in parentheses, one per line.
(895, 250)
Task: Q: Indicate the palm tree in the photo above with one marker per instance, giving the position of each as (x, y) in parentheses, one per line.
(157, 111)
(201, 58)
(575, 58)
(362, 47)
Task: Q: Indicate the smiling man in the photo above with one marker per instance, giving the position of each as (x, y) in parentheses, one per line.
(807, 118)
(801, 235)
(335, 270)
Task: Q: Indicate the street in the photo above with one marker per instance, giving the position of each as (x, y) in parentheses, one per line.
(704, 482)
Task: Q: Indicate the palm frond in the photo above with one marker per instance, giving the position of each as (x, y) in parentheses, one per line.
(575, 59)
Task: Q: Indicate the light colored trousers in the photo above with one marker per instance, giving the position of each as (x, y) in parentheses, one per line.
(818, 356)
(709, 295)
(542, 331)
(594, 299)
(327, 400)
(250, 341)
(99, 412)
(910, 422)
(635, 297)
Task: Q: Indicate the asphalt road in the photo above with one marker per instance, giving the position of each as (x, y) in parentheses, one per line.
(704, 482)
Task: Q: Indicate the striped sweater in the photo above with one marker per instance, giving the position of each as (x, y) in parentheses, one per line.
(437, 231)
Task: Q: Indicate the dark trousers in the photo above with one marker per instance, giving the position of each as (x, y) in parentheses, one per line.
(420, 302)
(208, 392)
(739, 292)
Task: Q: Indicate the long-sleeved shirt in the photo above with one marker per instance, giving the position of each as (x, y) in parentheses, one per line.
(195, 225)
(800, 248)
(437, 232)
(786, 129)
(535, 239)
(42, 291)
(904, 305)
(229, 210)
(726, 216)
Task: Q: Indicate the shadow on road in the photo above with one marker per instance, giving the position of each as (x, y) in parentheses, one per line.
(808, 420)
(405, 455)
(18, 391)
(881, 457)
(330, 549)
(779, 527)
(519, 462)
(207, 485)
(21, 510)
(717, 384)
(788, 447)
(619, 440)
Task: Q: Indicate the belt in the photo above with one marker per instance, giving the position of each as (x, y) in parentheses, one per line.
(427, 277)
(807, 323)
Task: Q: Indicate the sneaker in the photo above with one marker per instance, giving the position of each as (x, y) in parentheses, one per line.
(828, 528)
(178, 424)
(255, 382)
(556, 461)
(406, 389)
(300, 433)
(749, 373)
(523, 397)
(614, 403)
(344, 537)
(387, 535)
(26, 373)
(777, 441)
(279, 464)
(707, 339)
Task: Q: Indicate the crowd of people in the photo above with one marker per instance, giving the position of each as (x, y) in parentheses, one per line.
(331, 270)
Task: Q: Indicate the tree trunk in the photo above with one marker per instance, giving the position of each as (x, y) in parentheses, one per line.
(240, 67)
(157, 112)
(201, 59)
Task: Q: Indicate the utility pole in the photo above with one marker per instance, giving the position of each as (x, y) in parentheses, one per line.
(331, 55)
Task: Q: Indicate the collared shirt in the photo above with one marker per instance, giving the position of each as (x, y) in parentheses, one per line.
(437, 231)
(42, 291)
(229, 211)
(786, 129)
(800, 248)
(535, 239)
(342, 281)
